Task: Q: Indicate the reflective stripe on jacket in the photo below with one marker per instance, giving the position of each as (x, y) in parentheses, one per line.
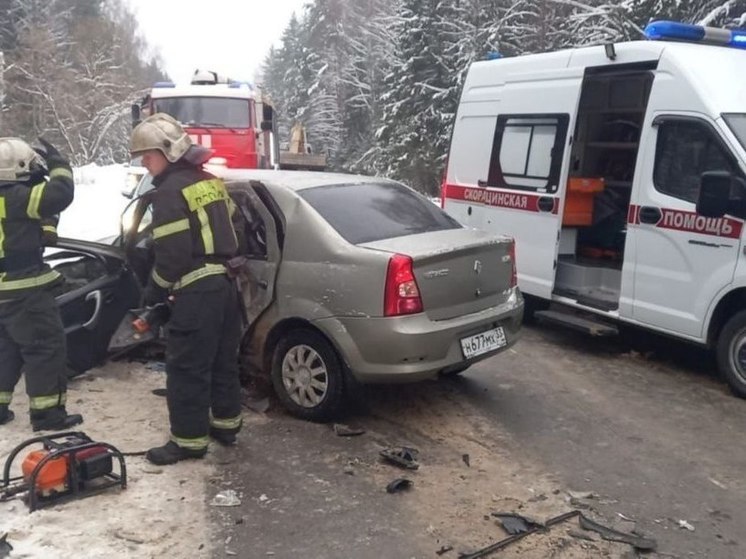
(23, 209)
(192, 229)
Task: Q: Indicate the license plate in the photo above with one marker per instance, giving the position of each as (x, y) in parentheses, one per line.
(484, 342)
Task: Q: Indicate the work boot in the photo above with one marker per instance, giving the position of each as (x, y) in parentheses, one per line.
(223, 437)
(6, 415)
(54, 419)
(170, 453)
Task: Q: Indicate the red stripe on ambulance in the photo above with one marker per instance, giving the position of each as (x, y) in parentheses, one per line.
(691, 222)
(497, 198)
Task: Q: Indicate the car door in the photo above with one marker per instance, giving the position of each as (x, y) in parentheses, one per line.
(514, 188)
(259, 231)
(260, 236)
(683, 259)
(97, 291)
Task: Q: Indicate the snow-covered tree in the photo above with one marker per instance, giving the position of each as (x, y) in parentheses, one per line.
(73, 68)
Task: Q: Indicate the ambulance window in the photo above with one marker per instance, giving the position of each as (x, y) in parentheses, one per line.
(527, 152)
(685, 149)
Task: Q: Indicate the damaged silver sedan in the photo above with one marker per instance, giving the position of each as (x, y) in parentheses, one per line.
(354, 279)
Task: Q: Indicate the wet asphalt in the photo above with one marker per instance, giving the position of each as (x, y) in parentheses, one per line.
(654, 434)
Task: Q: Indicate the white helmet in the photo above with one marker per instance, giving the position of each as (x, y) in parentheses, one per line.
(18, 161)
(162, 132)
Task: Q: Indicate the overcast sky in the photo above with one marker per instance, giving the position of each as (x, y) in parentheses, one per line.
(228, 36)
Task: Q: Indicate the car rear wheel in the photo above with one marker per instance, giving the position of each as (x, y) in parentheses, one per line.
(307, 375)
(731, 353)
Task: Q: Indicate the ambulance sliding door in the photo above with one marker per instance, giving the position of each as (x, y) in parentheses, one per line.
(525, 181)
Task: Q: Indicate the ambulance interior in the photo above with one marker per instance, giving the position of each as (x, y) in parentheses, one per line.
(604, 151)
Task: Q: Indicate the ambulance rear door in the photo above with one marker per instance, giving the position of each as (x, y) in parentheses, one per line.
(513, 185)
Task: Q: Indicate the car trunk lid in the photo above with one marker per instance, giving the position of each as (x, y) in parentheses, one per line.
(458, 272)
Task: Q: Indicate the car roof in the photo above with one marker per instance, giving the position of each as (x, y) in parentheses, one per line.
(293, 180)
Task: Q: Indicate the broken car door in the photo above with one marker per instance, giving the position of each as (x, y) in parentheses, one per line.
(257, 231)
(98, 289)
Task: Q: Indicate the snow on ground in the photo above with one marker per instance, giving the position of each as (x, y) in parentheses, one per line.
(163, 511)
(98, 205)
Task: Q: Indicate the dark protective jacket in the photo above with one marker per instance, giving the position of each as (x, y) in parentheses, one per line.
(24, 206)
(192, 229)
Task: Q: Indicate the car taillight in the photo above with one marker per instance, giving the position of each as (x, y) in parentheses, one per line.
(513, 272)
(402, 295)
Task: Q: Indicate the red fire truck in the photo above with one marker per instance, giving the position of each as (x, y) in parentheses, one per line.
(230, 117)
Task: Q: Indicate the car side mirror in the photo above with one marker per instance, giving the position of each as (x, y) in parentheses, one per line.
(136, 114)
(714, 193)
(266, 126)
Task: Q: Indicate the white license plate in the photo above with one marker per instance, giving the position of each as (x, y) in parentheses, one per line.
(484, 342)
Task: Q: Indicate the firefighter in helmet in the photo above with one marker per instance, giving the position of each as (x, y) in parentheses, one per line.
(193, 240)
(32, 337)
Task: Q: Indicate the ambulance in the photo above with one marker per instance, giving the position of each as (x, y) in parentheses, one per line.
(620, 170)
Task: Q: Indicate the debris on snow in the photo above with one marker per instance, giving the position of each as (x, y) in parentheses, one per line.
(227, 498)
(342, 430)
(400, 484)
(404, 457)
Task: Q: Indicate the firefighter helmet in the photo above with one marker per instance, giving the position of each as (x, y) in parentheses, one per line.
(18, 160)
(162, 132)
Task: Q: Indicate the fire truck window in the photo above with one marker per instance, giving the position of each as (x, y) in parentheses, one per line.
(527, 152)
(210, 112)
(685, 149)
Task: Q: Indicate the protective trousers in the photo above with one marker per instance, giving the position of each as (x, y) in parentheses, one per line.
(32, 340)
(202, 385)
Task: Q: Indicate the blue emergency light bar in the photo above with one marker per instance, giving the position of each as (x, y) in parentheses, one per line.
(688, 32)
(164, 84)
(240, 85)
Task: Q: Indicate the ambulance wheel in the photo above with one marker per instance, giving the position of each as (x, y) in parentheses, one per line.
(731, 353)
(308, 376)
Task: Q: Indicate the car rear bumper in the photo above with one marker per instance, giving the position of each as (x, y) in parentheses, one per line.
(411, 348)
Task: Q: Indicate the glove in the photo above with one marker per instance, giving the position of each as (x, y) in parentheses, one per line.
(154, 294)
(50, 154)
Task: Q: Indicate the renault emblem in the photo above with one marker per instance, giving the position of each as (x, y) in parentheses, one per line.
(477, 267)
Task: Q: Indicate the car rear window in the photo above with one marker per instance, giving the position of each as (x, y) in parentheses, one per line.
(364, 213)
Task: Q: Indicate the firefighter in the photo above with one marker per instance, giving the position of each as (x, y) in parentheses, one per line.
(193, 240)
(32, 337)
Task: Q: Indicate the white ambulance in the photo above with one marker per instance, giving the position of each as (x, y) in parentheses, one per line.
(621, 172)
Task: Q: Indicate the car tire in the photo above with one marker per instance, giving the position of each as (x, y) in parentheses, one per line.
(314, 389)
(731, 353)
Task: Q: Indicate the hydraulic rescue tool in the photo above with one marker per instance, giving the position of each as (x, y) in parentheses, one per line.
(140, 325)
(67, 466)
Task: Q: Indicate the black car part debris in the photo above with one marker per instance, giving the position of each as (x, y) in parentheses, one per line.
(68, 466)
(161, 392)
(466, 459)
(609, 534)
(444, 549)
(515, 523)
(5, 547)
(400, 484)
(639, 543)
(346, 431)
(404, 457)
